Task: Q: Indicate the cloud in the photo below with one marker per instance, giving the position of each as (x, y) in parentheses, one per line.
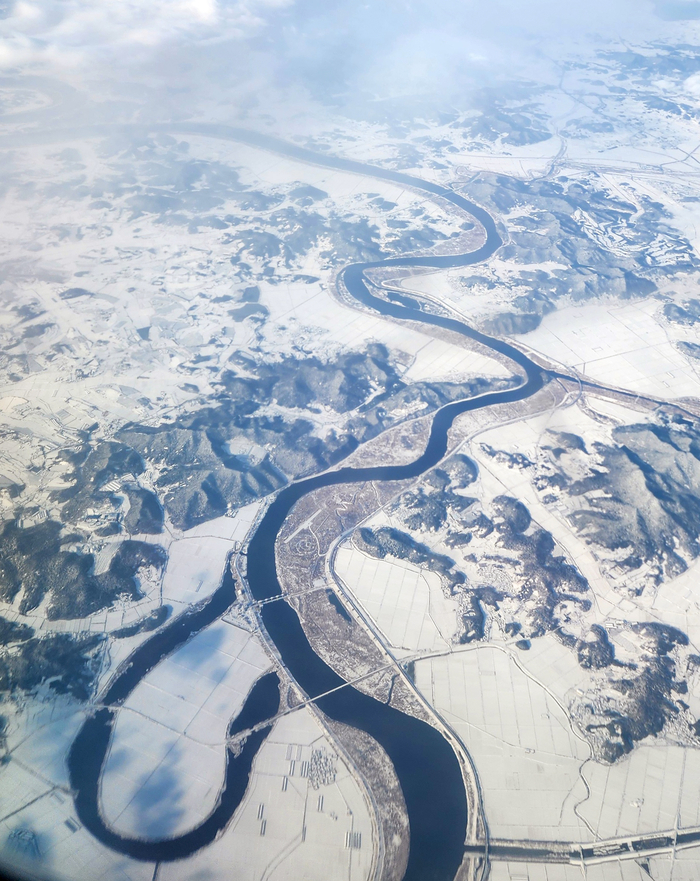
(678, 10)
(98, 32)
(340, 35)
(333, 50)
(392, 47)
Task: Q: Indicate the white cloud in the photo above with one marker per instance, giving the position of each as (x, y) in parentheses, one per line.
(79, 32)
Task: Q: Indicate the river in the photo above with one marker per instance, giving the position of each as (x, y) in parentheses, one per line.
(424, 761)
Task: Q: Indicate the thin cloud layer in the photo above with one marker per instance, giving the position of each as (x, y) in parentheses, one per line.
(332, 50)
(388, 48)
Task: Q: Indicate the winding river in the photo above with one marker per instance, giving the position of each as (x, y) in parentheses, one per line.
(425, 763)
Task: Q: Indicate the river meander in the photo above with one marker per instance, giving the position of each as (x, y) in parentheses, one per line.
(425, 762)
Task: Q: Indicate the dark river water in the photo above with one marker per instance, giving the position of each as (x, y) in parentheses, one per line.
(425, 763)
